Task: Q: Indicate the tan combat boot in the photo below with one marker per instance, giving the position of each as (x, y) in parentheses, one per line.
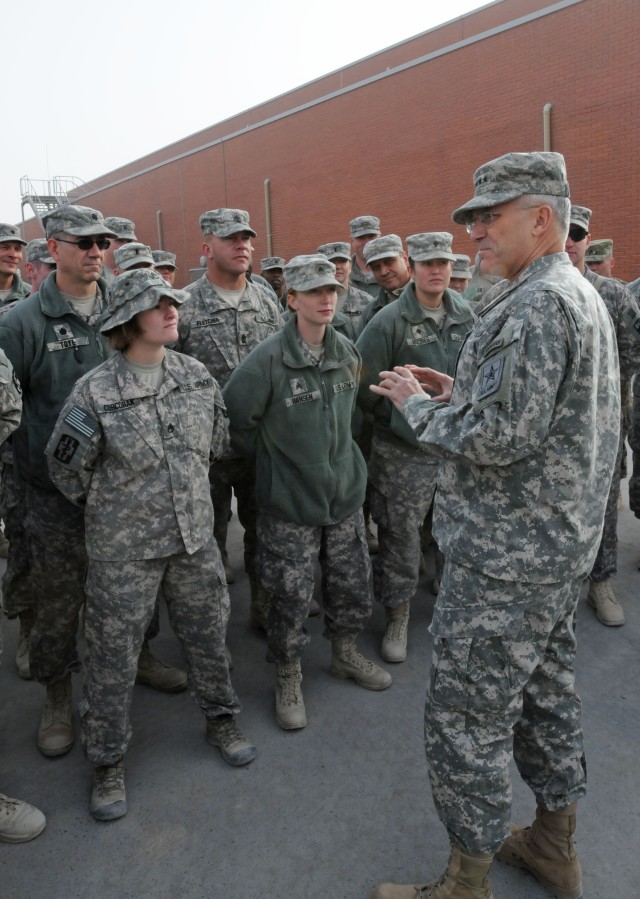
(27, 620)
(290, 710)
(602, 598)
(109, 797)
(55, 734)
(394, 642)
(466, 877)
(347, 662)
(259, 611)
(546, 850)
(19, 821)
(156, 674)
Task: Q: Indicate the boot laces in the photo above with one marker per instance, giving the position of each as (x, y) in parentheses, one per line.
(227, 733)
(396, 628)
(111, 779)
(7, 806)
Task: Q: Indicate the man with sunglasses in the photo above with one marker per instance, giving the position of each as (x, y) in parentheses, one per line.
(527, 436)
(52, 339)
(625, 315)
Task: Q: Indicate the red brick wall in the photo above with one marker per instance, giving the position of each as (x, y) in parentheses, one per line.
(405, 147)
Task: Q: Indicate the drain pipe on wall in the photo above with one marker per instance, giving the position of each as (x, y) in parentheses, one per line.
(267, 214)
(546, 125)
(159, 229)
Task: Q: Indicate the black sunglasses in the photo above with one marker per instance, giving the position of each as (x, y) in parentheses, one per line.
(85, 243)
(577, 234)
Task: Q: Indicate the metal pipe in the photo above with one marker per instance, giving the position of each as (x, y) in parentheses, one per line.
(546, 125)
(159, 229)
(267, 214)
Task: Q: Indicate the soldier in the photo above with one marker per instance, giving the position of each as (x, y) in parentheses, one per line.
(528, 440)
(225, 317)
(165, 263)
(12, 245)
(310, 485)
(131, 447)
(480, 282)
(19, 821)
(131, 256)
(426, 327)
(363, 228)
(599, 257)
(389, 265)
(271, 268)
(461, 274)
(625, 316)
(124, 232)
(351, 301)
(39, 262)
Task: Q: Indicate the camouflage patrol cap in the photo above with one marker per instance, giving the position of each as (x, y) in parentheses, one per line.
(38, 251)
(164, 258)
(383, 248)
(137, 291)
(11, 233)
(515, 175)
(599, 250)
(224, 222)
(462, 267)
(123, 229)
(430, 245)
(364, 224)
(338, 250)
(580, 216)
(81, 221)
(307, 272)
(132, 254)
(270, 262)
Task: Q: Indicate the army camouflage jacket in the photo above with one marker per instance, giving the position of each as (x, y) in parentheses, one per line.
(403, 333)
(50, 347)
(295, 417)
(363, 281)
(530, 437)
(625, 315)
(353, 305)
(219, 336)
(19, 289)
(10, 399)
(138, 459)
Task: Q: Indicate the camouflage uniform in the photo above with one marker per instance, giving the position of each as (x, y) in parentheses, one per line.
(51, 346)
(294, 414)
(402, 486)
(526, 461)
(19, 289)
(364, 282)
(10, 402)
(625, 315)
(137, 461)
(221, 337)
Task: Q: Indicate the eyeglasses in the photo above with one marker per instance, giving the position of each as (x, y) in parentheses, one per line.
(85, 243)
(486, 217)
(577, 234)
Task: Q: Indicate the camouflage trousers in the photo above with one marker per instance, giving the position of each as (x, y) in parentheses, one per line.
(288, 554)
(502, 683)
(121, 597)
(17, 590)
(403, 485)
(58, 565)
(606, 563)
(237, 475)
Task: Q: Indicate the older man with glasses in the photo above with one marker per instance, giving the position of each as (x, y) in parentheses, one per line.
(52, 338)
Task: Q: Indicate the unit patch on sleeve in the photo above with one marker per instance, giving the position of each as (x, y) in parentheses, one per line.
(66, 449)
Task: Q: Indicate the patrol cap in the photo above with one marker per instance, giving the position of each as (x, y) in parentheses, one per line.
(124, 229)
(383, 248)
(430, 245)
(137, 291)
(224, 222)
(132, 254)
(11, 233)
(81, 221)
(270, 262)
(462, 267)
(515, 175)
(599, 250)
(338, 250)
(364, 224)
(164, 258)
(38, 251)
(580, 216)
(307, 272)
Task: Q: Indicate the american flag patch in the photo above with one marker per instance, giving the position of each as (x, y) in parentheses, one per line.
(81, 421)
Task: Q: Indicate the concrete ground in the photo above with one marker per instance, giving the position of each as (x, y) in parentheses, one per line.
(323, 813)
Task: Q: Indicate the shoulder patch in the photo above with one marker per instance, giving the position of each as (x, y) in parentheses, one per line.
(491, 377)
(81, 421)
(66, 449)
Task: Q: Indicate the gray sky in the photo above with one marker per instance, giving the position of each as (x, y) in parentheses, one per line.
(97, 86)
